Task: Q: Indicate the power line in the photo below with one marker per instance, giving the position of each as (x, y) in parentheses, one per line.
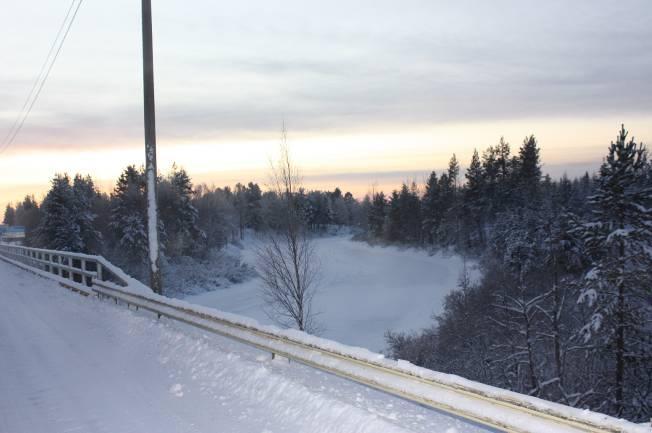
(12, 135)
(40, 74)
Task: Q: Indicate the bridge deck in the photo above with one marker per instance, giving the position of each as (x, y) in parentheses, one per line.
(69, 363)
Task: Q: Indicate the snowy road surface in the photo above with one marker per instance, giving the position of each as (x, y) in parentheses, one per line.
(75, 364)
(363, 291)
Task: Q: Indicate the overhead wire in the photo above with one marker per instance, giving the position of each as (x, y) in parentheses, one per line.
(13, 132)
(38, 77)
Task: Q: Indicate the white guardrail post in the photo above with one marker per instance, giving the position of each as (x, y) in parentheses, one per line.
(483, 404)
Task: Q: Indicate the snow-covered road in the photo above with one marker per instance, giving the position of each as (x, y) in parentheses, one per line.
(75, 364)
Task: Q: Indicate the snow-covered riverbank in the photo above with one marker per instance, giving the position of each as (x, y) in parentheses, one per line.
(364, 290)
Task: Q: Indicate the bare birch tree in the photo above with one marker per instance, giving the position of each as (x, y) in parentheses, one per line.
(287, 261)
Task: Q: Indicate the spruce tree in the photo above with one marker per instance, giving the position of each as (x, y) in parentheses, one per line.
(448, 228)
(128, 220)
(85, 196)
(10, 216)
(394, 221)
(180, 233)
(377, 214)
(410, 214)
(59, 229)
(351, 207)
(431, 209)
(505, 166)
(617, 285)
(453, 171)
(240, 203)
(528, 176)
(253, 196)
(490, 169)
(474, 201)
(28, 215)
(186, 213)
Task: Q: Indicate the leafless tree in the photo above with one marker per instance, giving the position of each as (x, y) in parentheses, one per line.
(287, 261)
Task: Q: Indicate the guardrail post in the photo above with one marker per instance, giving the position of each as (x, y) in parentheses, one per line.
(55, 260)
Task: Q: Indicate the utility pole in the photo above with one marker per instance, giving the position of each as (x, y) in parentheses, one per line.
(150, 150)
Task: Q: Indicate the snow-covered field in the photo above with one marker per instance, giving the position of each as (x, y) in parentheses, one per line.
(364, 290)
(71, 363)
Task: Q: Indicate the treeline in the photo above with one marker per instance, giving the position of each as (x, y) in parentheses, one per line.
(563, 309)
(76, 216)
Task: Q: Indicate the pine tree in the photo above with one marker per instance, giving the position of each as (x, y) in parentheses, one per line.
(619, 241)
(10, 216)
(377, 214)
(504, 169)
(528, 176)
(490, 169)
(448, 229)
(410, 210)
(181, 235)
(253, 196)
(530, 165)
(216, 215)
(28, 215)
(85, 196)
(503, 159)
(350, 205)
(128, 220)
(240, 203)
(338, 207)
(453, 171)
(394, 214)
(431, 209)
(452, 204)
(59, 229)
(474, 202)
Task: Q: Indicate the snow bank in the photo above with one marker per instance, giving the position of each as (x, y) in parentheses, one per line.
(73, 365)
(451, 392)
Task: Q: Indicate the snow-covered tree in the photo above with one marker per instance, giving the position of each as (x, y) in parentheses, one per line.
(528, 172)
(128, 220)
(473, 207)
(181, 235)
(617, 285)
(216, 215)
(85, 197)
(59, 228)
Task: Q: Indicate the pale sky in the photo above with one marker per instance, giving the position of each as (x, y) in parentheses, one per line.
(372, 92)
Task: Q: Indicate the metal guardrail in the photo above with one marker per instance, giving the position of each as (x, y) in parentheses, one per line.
(78, 268)
(504, 410)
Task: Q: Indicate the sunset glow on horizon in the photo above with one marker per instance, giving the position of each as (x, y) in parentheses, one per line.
(373, 94)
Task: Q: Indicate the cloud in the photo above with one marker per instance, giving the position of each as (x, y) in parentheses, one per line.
(230, 70)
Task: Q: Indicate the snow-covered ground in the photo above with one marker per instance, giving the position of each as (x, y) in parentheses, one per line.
(70, 363)
(364, 290)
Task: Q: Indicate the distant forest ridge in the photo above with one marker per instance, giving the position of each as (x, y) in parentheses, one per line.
(563, 310)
